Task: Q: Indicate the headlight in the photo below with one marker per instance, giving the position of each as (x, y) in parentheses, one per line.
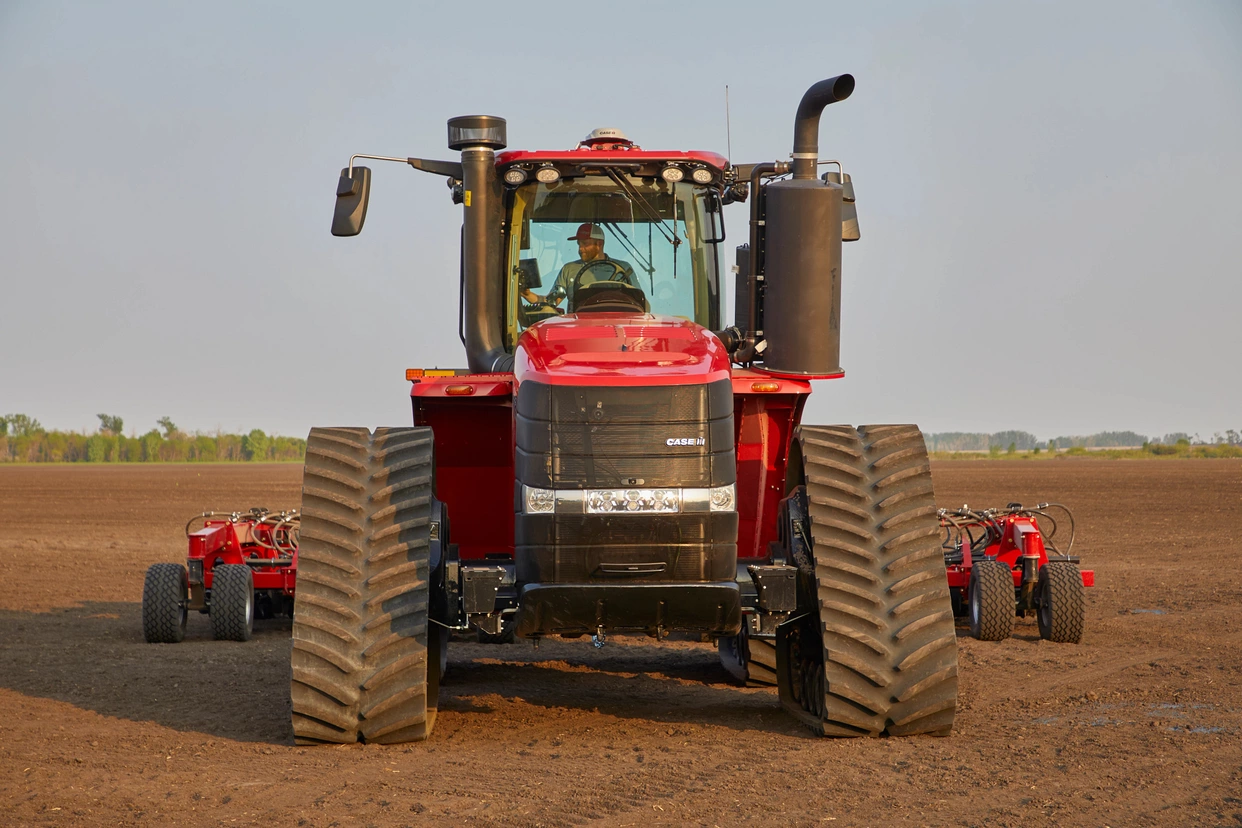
(633, 500)
(547, 174)
(702, 176)
(672, 174)
(539, 501)
(515, 176)
(627, 501)
(722, 498)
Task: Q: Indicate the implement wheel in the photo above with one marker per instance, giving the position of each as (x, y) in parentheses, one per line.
(872, 648)
(364, 667)
(991, 606)
(232, 602)
(1061, 603)
(165, 591)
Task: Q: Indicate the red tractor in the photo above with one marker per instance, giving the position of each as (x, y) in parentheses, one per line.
(240, 565)
(999, 567)
(617, 459)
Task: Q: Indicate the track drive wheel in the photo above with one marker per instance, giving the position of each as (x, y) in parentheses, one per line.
(364, 666)
(1061, 603)
(165, 591)
(232, 602)
(872, 648)
(991, 605)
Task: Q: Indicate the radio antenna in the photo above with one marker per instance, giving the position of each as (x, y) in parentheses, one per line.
(728, 130)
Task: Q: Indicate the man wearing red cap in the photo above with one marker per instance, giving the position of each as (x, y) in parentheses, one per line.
(592, 266)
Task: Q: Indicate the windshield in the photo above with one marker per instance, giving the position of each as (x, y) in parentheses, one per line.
(654, 240)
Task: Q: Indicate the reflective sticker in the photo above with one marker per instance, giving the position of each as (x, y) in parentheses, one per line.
(467, 198)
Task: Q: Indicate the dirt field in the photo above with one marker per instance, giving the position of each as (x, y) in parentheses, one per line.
(1139, 725)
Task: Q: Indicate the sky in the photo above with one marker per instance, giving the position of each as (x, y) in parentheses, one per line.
(1047, 194)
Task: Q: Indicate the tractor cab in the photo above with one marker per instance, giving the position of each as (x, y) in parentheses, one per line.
(610, 227)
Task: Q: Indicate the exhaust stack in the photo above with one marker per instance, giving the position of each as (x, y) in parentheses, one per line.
(806, 122)
(478, 137)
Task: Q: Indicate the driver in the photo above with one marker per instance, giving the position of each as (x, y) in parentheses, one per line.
(592, 265)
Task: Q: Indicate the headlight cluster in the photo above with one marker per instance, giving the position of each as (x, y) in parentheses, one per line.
(628, 501)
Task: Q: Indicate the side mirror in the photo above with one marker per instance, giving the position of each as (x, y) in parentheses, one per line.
(849, 211)
(352, 195)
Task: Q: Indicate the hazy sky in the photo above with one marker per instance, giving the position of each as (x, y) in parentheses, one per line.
(1048, 196)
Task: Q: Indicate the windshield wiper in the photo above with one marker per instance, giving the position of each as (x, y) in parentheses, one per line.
(621, 236)
(651, 212)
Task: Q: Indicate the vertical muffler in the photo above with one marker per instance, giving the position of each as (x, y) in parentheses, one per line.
(802, 251)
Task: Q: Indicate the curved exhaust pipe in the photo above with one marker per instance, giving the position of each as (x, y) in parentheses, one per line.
(478, 137)
(806, 123)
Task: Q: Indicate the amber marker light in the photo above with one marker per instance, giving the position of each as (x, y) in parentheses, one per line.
(762, 387)
(459, 390)
(413, 374)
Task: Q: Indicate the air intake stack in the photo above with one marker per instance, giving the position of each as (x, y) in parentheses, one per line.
(802, 240)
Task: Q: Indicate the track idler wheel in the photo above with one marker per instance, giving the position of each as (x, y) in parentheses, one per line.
(872, 648)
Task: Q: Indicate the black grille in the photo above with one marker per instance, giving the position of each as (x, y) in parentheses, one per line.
(571, 437)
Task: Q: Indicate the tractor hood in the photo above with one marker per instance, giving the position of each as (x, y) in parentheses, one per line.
(619, 349)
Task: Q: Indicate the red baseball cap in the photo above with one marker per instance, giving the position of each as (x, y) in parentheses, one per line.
(587, 231)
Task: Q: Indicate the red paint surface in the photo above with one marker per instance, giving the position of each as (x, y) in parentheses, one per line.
(473, 459)
(1021, 535)
(619, 349)
(224, 542)
(583, 154)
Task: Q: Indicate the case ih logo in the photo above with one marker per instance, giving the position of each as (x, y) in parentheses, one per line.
(685, 441)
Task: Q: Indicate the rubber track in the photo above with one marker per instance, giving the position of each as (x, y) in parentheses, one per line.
(1066, 593)
(997, 607)
(890, 649)
(163, 594)
(229, 587)
(360, 656)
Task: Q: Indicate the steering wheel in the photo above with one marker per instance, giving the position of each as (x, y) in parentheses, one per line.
(616, 275)
(609, 297)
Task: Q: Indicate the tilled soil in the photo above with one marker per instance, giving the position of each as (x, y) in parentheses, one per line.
(1139, 725)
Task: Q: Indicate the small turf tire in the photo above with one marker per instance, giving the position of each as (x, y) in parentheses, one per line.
(232, 602)
(364, 667)
(991, 605)
(880, 594)
(165, 592)
(1062, 603)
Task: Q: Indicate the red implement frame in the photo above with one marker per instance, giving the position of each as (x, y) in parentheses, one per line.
(266, 542)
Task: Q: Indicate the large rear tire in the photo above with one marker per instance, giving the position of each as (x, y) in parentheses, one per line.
(364, 667)
(232, 602)
(991, 605)
(165, 591)
(1062, 603)
(875, 650)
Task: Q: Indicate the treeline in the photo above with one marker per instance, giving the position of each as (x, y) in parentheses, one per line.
(24, 440)
(948, 441)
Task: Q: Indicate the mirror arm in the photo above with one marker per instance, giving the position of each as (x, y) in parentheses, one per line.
(452, 169)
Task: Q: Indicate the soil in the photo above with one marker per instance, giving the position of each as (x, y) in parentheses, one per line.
(1138, 725)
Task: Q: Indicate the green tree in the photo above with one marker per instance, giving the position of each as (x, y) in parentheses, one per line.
(22, 426)
(994, 449)
(151, 442)
(1013, 448)
(166, 423)
(110, 424)
(255, 445)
